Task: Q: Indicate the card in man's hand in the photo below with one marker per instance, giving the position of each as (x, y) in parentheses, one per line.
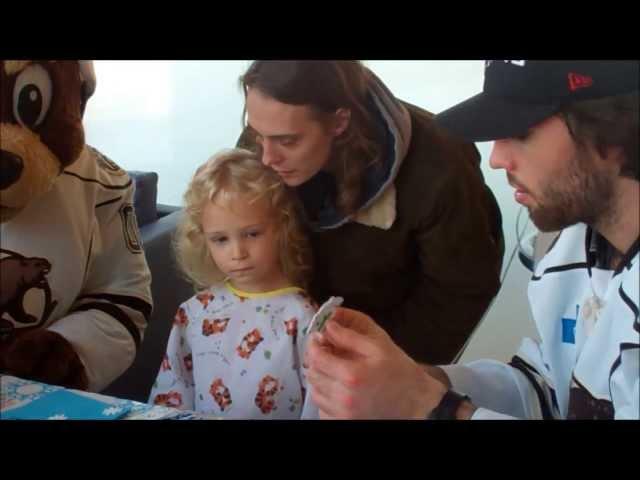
(323, 314)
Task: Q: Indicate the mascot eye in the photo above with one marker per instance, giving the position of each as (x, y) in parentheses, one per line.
(32, 96)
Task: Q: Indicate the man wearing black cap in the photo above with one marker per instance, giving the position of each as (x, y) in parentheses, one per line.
(566, 132)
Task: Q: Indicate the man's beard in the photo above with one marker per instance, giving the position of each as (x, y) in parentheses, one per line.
(583, 195)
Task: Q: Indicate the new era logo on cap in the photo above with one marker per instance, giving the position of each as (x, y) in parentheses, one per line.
(577, 81)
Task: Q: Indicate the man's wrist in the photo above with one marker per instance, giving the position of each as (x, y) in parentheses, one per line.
(452, 406)
(466, 410)
(437, 373)
(428, 394)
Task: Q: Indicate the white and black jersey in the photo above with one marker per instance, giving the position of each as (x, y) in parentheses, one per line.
(72, 262)
(587, 364)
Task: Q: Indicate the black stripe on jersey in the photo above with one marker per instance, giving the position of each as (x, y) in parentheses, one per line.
(626, 259)
(133, 303)
(623, 347)
(629, 302)
(529, 263)
(553, 243)
(113, 200)
(519, 364)
(618, 362)
(561, 268)
(93, 180)
(526, 261)
(115, 312)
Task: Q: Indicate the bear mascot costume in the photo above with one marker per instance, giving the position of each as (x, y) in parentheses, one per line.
(74, 283)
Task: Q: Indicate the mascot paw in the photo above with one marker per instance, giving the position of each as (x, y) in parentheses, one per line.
(47, 357)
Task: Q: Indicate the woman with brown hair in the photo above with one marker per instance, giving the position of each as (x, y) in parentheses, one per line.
(402, 224)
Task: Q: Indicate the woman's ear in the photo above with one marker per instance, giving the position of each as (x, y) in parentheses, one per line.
(342, 117)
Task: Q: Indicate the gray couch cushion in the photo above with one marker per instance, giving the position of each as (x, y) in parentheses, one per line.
(146, 196)
(169, 290)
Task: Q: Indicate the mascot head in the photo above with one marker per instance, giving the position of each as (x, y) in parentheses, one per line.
(41, 108)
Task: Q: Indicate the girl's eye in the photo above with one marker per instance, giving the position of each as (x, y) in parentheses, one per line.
(253, 234)
(219, 240)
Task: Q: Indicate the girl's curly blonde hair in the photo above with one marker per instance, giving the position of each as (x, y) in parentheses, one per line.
(232, 172)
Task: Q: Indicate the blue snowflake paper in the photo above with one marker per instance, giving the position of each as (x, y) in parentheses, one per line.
(66, 405)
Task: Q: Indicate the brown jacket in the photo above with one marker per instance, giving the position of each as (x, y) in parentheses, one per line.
(429, 277)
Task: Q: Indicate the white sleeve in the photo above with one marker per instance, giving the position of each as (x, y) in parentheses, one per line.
(497, 389)
(625, 372)
(174, 385)
(485, 414)
(107, 321)
(625, 384)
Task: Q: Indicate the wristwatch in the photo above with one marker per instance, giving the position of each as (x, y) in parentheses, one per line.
(448, 406)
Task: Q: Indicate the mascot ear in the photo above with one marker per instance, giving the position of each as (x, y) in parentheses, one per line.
(88, 82)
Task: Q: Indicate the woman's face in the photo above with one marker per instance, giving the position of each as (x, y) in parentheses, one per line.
(295, 144)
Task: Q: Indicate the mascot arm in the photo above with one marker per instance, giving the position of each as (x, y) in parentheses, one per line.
(115, 303)
(45, 356)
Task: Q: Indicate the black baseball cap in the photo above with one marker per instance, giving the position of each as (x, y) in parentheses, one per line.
(519, 94)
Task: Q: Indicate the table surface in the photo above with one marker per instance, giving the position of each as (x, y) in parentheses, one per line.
(18, 392)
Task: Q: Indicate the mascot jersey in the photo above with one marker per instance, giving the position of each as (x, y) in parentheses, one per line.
(238, 355)
(72, 262)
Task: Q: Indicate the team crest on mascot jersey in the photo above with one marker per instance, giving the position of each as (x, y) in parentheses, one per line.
(130, 228)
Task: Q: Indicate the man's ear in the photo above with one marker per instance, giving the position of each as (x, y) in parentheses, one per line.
(613, 155)
(342, 117)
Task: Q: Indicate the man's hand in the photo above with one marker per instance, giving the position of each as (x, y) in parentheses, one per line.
(356, 371)
(45, 356)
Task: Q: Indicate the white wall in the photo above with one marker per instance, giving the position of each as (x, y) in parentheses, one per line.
(165, 116)
(170, 116)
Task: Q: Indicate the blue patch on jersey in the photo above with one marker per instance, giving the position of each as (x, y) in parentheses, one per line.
(569, 330)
